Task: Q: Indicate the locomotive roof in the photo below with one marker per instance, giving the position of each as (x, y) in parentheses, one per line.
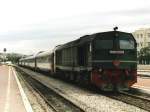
(88, 38)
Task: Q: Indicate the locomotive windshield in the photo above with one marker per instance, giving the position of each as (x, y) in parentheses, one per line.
(103, 44)
(126, 44)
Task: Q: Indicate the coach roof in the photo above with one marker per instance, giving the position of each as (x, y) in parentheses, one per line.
(45, 53)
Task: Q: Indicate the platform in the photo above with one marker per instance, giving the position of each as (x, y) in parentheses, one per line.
(11, 99)
(143, 83)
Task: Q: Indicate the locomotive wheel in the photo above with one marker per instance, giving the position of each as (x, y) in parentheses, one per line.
(87, 79)
(78, 78)
(67, 76)
(72, 77)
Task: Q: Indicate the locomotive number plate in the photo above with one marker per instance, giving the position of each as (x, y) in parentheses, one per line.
(116, 52)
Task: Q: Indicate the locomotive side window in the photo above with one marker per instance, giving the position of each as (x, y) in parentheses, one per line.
(103, 44)
(126, 44)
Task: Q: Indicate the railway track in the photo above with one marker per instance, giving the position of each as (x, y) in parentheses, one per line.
(54, 100)
(137, 94)
(134, 98)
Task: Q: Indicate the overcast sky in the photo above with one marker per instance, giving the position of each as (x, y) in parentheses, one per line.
(29, 26)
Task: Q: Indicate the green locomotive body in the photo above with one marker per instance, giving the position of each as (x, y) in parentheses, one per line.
(107, 60)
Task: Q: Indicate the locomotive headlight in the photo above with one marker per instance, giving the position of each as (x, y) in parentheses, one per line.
(100, 70)
(116, 63)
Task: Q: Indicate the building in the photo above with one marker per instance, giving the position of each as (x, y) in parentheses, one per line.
(142, 37)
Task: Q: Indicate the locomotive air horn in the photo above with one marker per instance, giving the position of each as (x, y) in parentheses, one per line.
(115, 28)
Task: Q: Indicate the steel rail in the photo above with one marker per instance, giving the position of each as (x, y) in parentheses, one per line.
(135, 96)
(46, 100)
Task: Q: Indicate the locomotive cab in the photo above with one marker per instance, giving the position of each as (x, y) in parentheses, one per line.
(114, 60)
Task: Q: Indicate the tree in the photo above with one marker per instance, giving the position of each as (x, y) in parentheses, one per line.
(13, 57)
(144, 55)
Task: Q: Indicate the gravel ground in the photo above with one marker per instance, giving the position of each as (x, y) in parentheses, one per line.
(36, 101)
(90, 102)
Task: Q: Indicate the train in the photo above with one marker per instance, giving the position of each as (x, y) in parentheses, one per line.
(107, 60)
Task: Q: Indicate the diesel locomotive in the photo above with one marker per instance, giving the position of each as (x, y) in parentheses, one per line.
(107, 60)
